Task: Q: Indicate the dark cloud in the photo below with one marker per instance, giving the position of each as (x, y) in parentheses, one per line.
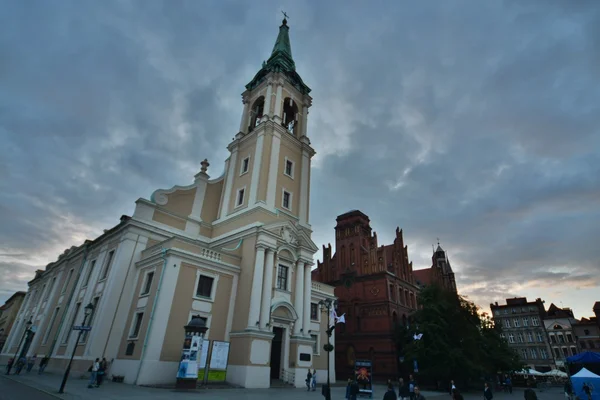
(475, 124)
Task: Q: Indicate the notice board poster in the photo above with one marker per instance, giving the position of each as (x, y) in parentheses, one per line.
(188, 365)
(202, 359)
(219, 358)
(364, 378)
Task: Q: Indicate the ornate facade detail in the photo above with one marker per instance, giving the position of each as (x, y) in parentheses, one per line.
(288, 236)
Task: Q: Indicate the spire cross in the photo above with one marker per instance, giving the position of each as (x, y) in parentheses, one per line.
(438, 240)
(285, 16)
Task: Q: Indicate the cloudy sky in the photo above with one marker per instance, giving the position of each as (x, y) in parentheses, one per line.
(475, 122)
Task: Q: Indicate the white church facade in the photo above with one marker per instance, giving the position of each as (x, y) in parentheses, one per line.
(234, 250)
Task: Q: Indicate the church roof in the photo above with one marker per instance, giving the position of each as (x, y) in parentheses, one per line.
(281, 60)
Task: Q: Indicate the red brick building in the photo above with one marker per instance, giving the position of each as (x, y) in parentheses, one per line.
(439, 273)
(376, 289)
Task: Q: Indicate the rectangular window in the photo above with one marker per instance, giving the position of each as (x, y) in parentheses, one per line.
(392, 294)
(520, 336)
(286, 201)
(511, 338)
(315, 338)
(543, 354)
(204, 288)
(525, 321)
(529, 337)
(540, 337)
(289, 168)
(66, 284)
(107, 264)
(569, 338)
(535, 321)
(314, 312)
(533, 353)
(137, 325)
(89, 274)
(245, 165)
(282, 277)
(147, 285)
(553, 339)
(239, 201)
(507, 323)
(556, 352)
(90, 319)
(517, 323)
(524, 354)
(573, 350)
(69, 328)
(52, 321)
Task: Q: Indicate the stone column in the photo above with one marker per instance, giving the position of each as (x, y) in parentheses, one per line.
(255, 294)
(278, 100)
(298, 298)
(268, 98)
(304, 120)
(244, 121)
(304, 187)
(307, 292)
(267, 290)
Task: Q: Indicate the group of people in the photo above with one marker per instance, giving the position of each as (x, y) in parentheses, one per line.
(26, 361)
(407, 390)
(98, 370)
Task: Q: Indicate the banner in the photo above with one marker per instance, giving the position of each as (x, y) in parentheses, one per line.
(364, 377)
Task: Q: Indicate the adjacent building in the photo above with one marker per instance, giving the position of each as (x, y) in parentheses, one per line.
(235, 250)
(523, 326)
(440, 273)
(559, 326)
(8, 314)
(376, 291)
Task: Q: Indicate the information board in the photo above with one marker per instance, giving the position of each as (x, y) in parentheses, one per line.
(364, 378)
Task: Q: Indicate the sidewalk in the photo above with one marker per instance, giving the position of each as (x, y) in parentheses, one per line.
(77, 389)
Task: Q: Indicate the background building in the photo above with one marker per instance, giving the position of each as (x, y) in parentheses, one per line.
(522, 324)
(376, 291)
(235, 250)
(8, 315)
(559, 326)
(440, 273)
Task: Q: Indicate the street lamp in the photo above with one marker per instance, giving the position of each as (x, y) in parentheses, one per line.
(195, 328)
(327, 304)
(87, 311)
(27, 330)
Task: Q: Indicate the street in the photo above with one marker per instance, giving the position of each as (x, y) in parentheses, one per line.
(11, 390)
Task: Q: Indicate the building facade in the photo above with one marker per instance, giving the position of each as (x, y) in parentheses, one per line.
(440, 273)
(522, 324)
(8, 315)
(235, 250)
(559, 326)
(587, 331)
(376, 291)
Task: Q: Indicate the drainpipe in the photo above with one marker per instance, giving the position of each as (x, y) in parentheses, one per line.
(162, 274)
(68, 302)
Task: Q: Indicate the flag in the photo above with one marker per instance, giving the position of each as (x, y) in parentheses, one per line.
(333, 316)
(417, 337)
(342, 319)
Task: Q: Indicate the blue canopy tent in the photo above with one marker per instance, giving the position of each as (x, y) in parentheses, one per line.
(589, 378)
(585, 358)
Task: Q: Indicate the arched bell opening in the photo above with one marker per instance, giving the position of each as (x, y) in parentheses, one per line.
(256, 113)
(290, 116)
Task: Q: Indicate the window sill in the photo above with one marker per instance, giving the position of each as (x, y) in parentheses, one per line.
(142, 295)
(289, 176)
(244, 173)
(207, 299)
(133, 338)
(102, 280)
(239, 206)
(283, 291)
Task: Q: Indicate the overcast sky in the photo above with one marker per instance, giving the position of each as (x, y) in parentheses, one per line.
(475, 122)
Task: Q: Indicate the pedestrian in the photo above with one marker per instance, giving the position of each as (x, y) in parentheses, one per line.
(456, 395)
(417, 393)
(509, 384)
(308, 380)
(94, 369)
(568, 389)
(390, 394)
(587, 390)
(354, 389)
(20, 364)
(452, 387)
(101, 372)
(9, 366)
(43, 364)
(31, 362)
(348, 388)
(314, 380)
(411, 387)
(487, 392)
(403, 391)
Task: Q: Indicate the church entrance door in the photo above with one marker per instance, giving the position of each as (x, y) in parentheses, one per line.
(276, 345)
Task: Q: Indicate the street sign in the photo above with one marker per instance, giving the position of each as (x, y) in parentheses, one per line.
(82, 328)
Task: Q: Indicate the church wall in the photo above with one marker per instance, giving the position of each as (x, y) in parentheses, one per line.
(284, 182)
(212, 200)
(152, 242)
(170, 220)
(257, 215)
(264, 168)
(242, 180)
(242, 299)
(180, 202)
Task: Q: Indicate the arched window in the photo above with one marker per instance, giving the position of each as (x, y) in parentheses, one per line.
(290, 116)
(256, 113)
(404, 321)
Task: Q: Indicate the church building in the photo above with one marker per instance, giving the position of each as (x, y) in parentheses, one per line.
(235, 250)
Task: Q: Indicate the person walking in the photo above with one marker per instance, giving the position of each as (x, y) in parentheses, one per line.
(20, 364)
(390, 394)
(31, 362)
(411, 386)
(487, 392)
(509, 384)
(403, 391)
(101, 372)
(417, 393)
(43, 364)
(452, 387)
(568, 389)
(93, 377)
(308, 380)
(9, 366)
(314, 380)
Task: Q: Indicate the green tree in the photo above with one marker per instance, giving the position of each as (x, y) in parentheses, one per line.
(457, 343)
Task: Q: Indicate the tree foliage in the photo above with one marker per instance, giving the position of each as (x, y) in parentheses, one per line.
(457, 343)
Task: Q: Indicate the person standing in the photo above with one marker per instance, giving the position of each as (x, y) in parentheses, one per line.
(20, 364)
(93, 377)
(411, 386)
(11, 361)
(417, 393)
(314, 380)
(509, 384)
(101, 372)
(390, 394)
(487, 392)
(452, 386)
(31, 362)
(403, 392)
(43, 364)
(308, 380)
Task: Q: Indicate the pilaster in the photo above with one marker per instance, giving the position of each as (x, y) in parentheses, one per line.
(267, 290)
(256, 292)
(307, 298)
(298, 298)
(229, 183)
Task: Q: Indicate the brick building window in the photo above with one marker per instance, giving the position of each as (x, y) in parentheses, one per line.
(392, 293)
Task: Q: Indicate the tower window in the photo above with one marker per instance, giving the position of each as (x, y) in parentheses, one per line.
(290, 116)
(286, 200)
(245, 165)
(239, 200)
(256, 113)
(289, 168)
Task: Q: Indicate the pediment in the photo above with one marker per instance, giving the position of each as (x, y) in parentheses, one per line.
(292, 235)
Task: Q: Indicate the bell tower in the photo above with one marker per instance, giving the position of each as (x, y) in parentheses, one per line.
(269, 165)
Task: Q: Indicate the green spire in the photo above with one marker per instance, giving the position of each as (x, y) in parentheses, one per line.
(281, 61)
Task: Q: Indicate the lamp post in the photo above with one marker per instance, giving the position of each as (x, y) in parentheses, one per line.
(327, 305)
(195, 328)
(87, 311)
(27, 330)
